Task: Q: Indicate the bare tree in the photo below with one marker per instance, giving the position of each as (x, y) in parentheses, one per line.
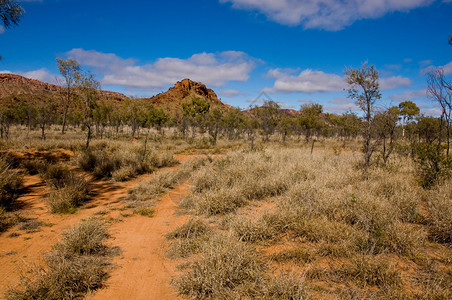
(364, 88)
(70, 70)
(441, 91)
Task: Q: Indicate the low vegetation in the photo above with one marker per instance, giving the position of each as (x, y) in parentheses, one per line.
(78, 265)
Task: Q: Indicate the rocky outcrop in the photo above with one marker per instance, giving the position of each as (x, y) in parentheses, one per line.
(13, 85)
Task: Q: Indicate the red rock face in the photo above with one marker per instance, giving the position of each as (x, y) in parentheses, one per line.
(36, 85)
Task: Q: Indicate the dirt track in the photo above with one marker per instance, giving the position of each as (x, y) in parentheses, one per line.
(142, 270)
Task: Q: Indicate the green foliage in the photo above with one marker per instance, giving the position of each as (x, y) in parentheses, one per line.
(10, 12)
(433, 164)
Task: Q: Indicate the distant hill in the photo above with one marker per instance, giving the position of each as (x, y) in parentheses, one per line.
(182, 92)
(21, 88)
(15, 88)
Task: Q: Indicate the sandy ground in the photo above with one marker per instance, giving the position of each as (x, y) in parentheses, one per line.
(142, 270)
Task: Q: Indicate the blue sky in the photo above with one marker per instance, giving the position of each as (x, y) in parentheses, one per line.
(295, 51)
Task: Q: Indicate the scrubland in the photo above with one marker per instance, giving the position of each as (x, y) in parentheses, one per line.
(275, 222)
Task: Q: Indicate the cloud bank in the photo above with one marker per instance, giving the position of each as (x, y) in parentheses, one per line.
(212, 69)
(311, 81)
(325, 14)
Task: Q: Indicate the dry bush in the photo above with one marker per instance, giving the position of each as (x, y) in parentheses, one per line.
(10, 185)
(76, 267)
(369, 270)
(34, 166)
(188, 239)
(191, 229)
(85, 238)
(73, 194)
(286, 286)
(259, 229)
(122, 162)
(165, 181)
(9, 219)
(298, 256)
(227, 267)
(64, 278)
(439, 206)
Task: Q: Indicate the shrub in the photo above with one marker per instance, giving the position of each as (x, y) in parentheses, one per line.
(69, 197)
(57, 176)
(369, 270)
(286, 286)
(192, 229)
(34, 166)
(439, 206)
(10, 185)
(77, 267)
(85, 238)
(189, 238)
(227, 266)
(295, 255)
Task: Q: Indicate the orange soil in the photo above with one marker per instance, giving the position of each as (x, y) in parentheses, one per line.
(143, 271)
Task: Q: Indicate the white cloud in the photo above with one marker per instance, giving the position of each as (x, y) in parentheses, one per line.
(231, 93)
(394, 82)
(409, 95)
(341, 105)
(325, 14)
(308, 81)
(311, 81)
(447, 68)
(42, 75)
(212, 69)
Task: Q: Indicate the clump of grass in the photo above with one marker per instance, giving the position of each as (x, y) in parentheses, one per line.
(261, 229)
(188, 238)
(228, 183)
(372, 271)
(85, 238)
(57, 176)
(286, 286)
(9, 219)
(30, 225)
(10, 184)
(165, 181)
(67, 198)
(144, 211)
(34, 166)
(227, 266)
(439, 206)
(123, 163)
(297, 256)
(78, 265)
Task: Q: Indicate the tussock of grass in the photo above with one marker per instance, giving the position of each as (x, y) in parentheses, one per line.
(226, 267)
(78, 265)
(297, 256)
(369, 270)
(85, 238)
(192, 229)
(254, 230)
(286, 286)
(439, 206)
(165, 181)
(123, 163)
(67, 198)
(10, 184)
(188, 239)
(34, 166)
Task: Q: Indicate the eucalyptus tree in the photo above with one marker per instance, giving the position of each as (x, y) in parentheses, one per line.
(364, 88)
(408, 110)
(71, 71)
